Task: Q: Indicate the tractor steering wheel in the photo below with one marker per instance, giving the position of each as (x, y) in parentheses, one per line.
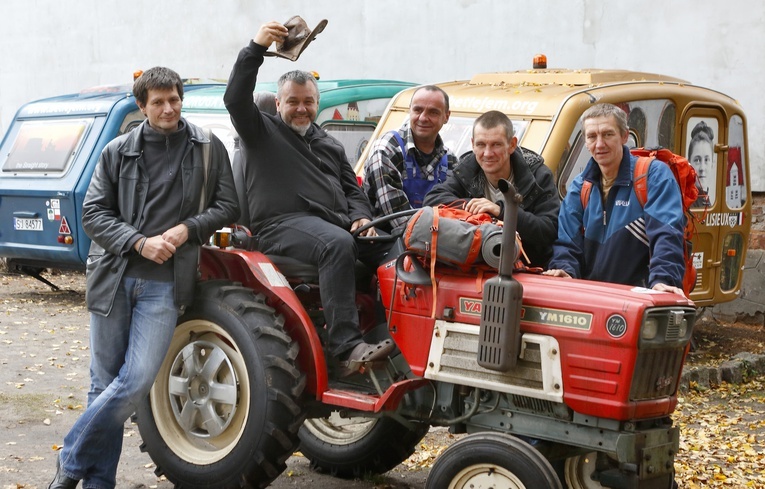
(383, 238)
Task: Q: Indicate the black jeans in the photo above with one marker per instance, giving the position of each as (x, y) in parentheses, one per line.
(334, 251)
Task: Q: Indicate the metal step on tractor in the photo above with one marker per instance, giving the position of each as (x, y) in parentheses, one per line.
(557, 383)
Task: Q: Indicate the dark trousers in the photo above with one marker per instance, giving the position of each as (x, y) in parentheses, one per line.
(334, 251)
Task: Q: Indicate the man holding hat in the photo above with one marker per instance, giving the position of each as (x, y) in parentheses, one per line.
(303, 197)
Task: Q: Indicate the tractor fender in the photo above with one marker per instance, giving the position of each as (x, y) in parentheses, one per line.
(256, 271)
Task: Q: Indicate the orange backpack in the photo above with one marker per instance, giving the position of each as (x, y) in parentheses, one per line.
(686, 177)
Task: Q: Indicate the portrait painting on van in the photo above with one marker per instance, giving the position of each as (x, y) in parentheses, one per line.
(701, 154)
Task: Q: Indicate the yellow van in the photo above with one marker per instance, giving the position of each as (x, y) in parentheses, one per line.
(545, 106)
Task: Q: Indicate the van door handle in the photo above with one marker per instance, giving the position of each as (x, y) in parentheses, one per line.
(26, 214)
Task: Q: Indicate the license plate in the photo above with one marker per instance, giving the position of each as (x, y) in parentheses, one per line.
(27, 224)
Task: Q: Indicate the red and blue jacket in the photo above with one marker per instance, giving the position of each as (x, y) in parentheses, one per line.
(620, 241)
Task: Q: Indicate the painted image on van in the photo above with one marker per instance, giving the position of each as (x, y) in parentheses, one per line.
(735, 180)
(702, 137)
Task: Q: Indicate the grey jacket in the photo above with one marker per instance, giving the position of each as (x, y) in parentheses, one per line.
(114, 203)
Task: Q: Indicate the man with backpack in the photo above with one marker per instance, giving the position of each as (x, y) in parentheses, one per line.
(611, 235)
(403, 165)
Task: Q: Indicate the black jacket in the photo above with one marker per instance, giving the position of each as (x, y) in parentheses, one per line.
(113, 208)
(537, 213)
(287, 174)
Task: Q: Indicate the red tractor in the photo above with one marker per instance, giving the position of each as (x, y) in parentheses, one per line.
(558, 383)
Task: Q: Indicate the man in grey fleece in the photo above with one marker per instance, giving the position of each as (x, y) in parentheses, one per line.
(304, 199)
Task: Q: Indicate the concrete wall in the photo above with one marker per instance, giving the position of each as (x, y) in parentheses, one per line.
(51, 47)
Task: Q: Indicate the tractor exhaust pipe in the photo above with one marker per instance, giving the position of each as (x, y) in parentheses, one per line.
(510, 226)
(499, 341)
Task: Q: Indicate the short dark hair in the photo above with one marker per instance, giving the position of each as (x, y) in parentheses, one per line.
(299, 77)
(495, 118)
(433, 88)
(157, 78)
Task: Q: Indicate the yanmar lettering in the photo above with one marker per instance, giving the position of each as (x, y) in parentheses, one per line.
(537, 315)
(556, 317)
(471, 307)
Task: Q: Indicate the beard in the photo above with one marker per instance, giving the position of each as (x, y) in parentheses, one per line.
(302, 130)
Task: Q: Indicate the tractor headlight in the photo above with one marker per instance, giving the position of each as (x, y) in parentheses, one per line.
(682, 328)
(650, 328)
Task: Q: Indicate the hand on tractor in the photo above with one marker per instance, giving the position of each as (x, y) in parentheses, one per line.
(557, 273)
(668, 288)
(361, 222)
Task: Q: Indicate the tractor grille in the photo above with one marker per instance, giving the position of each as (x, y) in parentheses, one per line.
(538, 406)
(660, 356)
(656, 374)
(537, 375)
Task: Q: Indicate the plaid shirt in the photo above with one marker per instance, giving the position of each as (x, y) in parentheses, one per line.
(384, 172)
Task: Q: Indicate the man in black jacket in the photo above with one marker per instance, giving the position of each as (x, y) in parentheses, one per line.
(496, 155)
(148, 209)
(304, 199)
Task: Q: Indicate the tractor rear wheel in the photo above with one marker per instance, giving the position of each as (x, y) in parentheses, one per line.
(224, 410)
(353, 447)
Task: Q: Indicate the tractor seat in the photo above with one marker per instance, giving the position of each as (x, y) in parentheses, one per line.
(295, 270)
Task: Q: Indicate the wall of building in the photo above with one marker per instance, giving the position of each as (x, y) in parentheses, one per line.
(51, 47)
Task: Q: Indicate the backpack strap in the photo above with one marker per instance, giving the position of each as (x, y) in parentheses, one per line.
(206, 167)
(443, 168)
(584, 194)
(412, 170)
(640, 178)
(433, 249)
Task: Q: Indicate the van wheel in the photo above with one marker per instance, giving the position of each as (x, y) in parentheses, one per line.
(353, 447)
(491, 460)
(223, 411)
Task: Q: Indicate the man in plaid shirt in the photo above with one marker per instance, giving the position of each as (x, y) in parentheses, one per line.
(403, 165)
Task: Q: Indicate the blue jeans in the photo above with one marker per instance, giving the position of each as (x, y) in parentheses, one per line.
(127, 348)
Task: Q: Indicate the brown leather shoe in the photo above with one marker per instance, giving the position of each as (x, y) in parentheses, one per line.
(60, 481)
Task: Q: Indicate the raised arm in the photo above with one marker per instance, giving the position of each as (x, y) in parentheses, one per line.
(239, 92)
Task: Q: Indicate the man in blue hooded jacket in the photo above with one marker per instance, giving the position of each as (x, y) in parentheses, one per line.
(615, 239)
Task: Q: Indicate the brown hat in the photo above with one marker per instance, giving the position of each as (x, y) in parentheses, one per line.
(299, 36)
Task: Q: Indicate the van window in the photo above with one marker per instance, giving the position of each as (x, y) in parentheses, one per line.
(46, 147)
(731, 261)
(637, 124)
(219, 124)
(354, 136)
(132, 120)
(735, 176)
(458, 132)
(358, 110)
(667, 128)
(702, 135)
